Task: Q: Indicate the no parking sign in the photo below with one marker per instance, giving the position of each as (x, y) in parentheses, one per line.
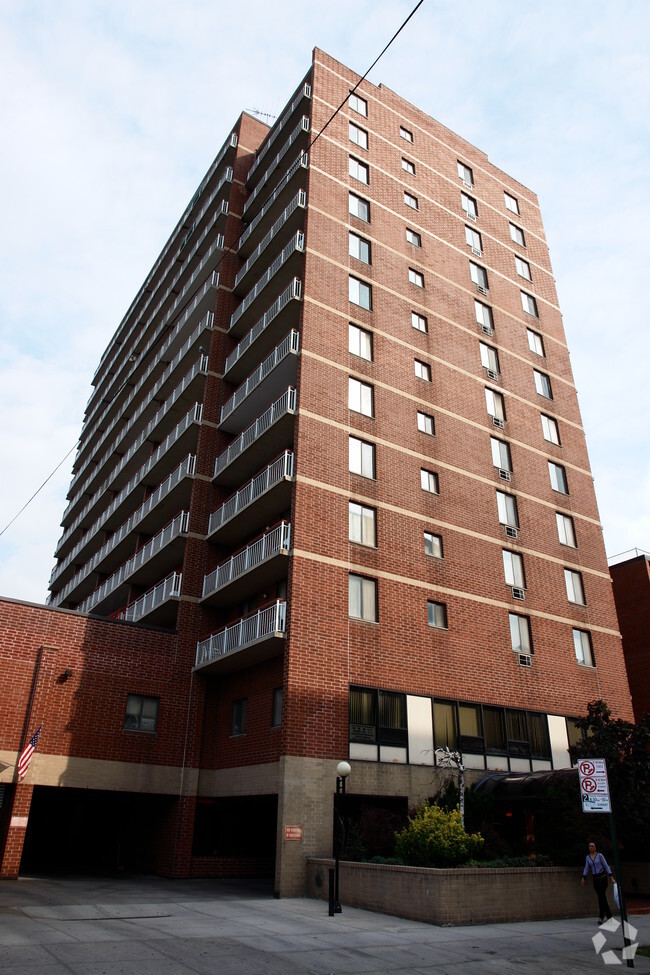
(594, 787)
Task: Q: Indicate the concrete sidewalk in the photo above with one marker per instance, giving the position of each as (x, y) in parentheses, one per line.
(152, 926)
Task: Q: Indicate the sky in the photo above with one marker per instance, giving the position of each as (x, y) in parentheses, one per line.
(112, 112)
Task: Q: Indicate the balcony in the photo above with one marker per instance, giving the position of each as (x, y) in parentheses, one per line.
(158, 606)
(161, 554)
(299, 139)
(278, 371)
(271, 433)
(173, 493)
(283, 268)
(294, 179)
(283, 313)
(290, 220)
(254, 505)
(256, 567)
(304, 92)
(245, 643)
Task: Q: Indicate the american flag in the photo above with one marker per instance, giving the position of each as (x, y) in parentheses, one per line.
(26, 757)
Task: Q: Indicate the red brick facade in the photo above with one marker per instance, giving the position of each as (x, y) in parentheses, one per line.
(631, 586)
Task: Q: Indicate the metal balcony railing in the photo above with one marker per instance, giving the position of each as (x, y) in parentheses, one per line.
(285, 404)
(299, 201)
(302, 162)
(169, 588)
(174, 529)
(294, 290)
(276, 472)
(246, 631)
(288, 346)
(303, 92)
(297, 243)
(303, 126)
(272, 543)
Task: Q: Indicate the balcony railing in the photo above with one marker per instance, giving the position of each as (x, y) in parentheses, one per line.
(293, 291)
(274, 474)
(296, 244)
(303, 92)
(275, 542)
(299, 201)
(285, 404)
(302, 162)
(288, 346)
(185, 469)
(174, 529)
(302, 127)
(265, 623)
(169, 588)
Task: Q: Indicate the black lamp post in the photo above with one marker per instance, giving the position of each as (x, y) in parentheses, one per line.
(343, 769)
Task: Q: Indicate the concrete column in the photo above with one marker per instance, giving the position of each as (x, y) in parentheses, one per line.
(14, 815)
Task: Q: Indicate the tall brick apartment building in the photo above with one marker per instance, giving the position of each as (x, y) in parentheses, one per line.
(332, 500)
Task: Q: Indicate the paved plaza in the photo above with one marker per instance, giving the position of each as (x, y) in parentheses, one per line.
(153, 926)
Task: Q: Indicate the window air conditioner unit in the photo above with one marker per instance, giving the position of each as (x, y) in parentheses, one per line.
(525, 660)
(467, 183)
(510, 531)
(494, 376)
(476, 251)
(481, 290)
(497, 422)
(518, 593)
(487, 330)
(470, 215)
(504, 475)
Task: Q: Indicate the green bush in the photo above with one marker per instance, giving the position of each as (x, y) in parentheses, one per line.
(436, 837)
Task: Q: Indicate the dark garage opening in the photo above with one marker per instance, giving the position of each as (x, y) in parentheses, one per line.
(236, 835)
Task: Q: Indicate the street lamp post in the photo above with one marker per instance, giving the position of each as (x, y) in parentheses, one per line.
(343, 769)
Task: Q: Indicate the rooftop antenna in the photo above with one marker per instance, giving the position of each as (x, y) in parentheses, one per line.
(256, 111)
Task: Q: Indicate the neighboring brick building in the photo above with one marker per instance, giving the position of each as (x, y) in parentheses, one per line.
(336, 500)
(631, 585)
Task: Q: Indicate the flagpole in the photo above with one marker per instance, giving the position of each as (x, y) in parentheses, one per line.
(30, 704)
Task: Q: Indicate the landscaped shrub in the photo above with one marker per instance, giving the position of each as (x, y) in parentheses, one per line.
(436, 837)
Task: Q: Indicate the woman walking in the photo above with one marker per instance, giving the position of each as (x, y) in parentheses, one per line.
(596, 864)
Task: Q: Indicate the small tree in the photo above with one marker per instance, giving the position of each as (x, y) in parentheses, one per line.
(436, 837)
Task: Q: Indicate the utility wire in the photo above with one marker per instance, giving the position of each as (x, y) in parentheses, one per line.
(230, 248)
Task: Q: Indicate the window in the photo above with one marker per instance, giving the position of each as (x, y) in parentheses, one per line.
(367, 706)
(511, 203)
(478, 275)
(360, 342)
(550, 429)
(358, 170)
(575, 591)
(445, 724)
(405, 134)
(276, 712)
(465, 173)
(470, 727)
(468, 203)
(359, 248)
(543, 384)
(419, 322)
(360, 397)
(566, 530)
(360, 293)
(362, 598)
(535, 342)
(437, 615)
(583, 649)
(495, 731)
(433, 545)
(529, 304)
(416, 278)
(495, 405)
(413, 238)
(558, 478)
(239, 709)
(361, 457)
(501, 454)
(411, 201)
(429, 482)
(426, 423)
(363, 524)
(489, 357)
(358, 105)
(473, 239)
(357, 135)
(507, 509)
(422, 370)
(483, 315)
(358, 207)
(517, 235)
(520, 633)
(513, 569)
(408, 166)
(523, 268)
(141, 713)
